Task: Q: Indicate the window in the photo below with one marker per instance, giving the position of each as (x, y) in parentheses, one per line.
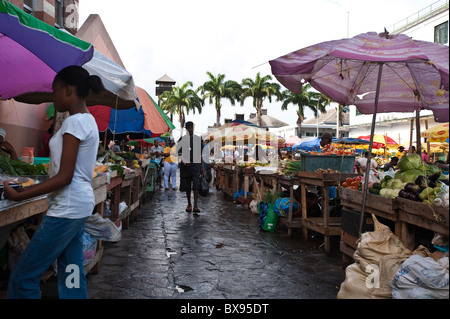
(28, 6)
(441, 33)
(59, 13)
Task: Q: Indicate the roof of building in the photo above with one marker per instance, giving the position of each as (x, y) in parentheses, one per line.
(165, 78)
(93, 31)
(328, 117)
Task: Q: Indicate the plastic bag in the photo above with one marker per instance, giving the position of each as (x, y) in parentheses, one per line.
(421, 278)
(267, 217)
(103, 228)
(89, 248)
(282, 205)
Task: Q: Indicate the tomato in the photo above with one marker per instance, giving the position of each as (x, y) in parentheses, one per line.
(348, 180)
(345, 184)
(355, 183)
(354, 187)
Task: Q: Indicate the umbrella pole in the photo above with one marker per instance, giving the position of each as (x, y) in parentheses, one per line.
(418, 142)
(372, 130)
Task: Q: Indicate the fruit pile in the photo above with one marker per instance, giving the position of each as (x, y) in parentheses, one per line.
(341, 151)
(353, 183)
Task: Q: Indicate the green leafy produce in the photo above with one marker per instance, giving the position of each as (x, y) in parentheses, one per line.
(19, 168)
(118, 168)
(409, 162)
(410, 175)
(374, 190)
(398, 174)
(397, 184)
(428, 195)
(387, 177)
(430, 169)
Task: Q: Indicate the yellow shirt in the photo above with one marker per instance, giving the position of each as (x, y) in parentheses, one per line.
(172, 158)
(399, 154)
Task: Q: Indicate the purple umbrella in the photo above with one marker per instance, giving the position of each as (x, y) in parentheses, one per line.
(374, 72)
(348, 70)
(32, 52)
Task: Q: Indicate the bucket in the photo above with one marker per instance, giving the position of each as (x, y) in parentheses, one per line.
(27, 155)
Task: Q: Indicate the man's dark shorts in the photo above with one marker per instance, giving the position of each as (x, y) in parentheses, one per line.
(190, 177)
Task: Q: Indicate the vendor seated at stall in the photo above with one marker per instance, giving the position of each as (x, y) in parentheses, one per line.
(6, 147)
(391, 164)
(362, 162)
(326, 143)
(400, 152)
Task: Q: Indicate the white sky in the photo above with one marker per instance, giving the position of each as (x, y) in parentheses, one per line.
(185, 39)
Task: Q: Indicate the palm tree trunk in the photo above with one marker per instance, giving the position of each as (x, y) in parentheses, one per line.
(258, 111)
(299, 125)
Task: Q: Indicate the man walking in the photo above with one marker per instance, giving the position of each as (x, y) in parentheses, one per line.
(189, 149)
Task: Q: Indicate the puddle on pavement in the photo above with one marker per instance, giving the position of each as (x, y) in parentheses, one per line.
(181, 288)
(169, 253)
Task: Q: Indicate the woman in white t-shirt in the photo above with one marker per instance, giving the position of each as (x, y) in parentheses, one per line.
(73, 153)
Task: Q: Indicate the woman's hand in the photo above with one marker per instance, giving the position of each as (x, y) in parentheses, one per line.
(11, 193)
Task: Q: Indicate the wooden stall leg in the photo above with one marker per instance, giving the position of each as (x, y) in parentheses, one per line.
(304, 211)
(408, 237)
(291, 197)
(326, 215)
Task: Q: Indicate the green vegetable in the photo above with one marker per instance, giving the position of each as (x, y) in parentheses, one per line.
(430, 169)
(410, 175)
(428, 194)
(409, 162)
(374, 190)
(377, 186)
(387, 177)
(398, 174)
(397, 184)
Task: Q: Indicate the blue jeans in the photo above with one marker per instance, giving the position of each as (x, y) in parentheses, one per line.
(58, 239)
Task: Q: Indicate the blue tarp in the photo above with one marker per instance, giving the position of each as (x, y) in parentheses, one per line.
(308, 144)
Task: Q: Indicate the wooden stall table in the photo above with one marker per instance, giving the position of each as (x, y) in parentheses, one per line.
(326, 225)
(17, 211)
(230, 179)
(144, 163)
(100, 186)
(416, 214)
(288, 182)
(121, 187)
(248, 173)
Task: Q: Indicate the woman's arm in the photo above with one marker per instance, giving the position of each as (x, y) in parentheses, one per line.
(60, 180)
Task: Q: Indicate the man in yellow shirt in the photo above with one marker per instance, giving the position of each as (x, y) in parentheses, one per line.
(170, 165)
(400, 153)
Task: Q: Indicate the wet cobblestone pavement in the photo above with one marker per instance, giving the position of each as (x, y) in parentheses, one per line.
(167, 253)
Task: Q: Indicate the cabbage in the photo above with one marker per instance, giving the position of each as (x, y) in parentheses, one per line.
(411, 175)
(408, 162)
(398, 174)
(397, 184)
(429, 169)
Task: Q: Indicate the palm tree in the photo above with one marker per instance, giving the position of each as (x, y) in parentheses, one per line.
(315, 101)
(259, 89)
(217, 88)
(181, 100)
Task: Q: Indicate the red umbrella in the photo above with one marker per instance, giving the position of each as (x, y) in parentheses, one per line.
(379, 140)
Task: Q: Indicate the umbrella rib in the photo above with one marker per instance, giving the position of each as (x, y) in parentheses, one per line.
(390, 67)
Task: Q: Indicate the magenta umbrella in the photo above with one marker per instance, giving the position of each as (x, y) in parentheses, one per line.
(374, 72)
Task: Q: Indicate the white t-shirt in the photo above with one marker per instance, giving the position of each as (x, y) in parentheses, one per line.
(157, 149)
(373, 164)
(76, 200)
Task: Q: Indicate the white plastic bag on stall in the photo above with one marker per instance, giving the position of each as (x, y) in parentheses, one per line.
(421, 278)
(103, 228)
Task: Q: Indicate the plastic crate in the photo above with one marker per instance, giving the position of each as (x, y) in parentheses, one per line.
(341, 163)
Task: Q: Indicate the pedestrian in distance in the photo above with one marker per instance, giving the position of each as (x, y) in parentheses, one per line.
(189, 149)
(170, 165)
(156, 151)
(73, 154)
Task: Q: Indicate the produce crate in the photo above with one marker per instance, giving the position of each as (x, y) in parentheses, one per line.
(375, 204)
(430, 217)
(341, 163)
